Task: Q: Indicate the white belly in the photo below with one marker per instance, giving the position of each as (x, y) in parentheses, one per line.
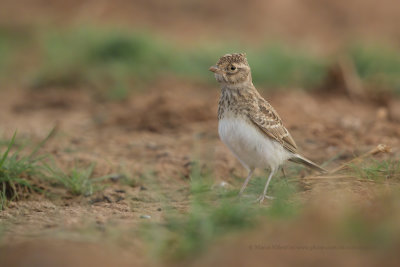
(250, 146)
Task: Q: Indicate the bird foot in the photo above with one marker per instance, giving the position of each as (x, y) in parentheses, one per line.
(262, 197)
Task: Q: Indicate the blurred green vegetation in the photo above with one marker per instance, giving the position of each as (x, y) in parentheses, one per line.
(115, 62)
(374, 224)
(362, 229)
(215, 211)
(77, 181)
(23, 172)
(378, 170)
(118, 59)
(378, 66)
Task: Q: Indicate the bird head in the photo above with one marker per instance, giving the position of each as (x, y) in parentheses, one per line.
(232, 69)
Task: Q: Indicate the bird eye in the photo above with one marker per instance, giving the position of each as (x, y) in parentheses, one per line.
(233, 68)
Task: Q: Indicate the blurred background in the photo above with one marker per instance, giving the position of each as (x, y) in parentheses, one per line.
(109, 151)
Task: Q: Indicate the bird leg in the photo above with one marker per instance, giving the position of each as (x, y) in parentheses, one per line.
(264, 195)
(283, 172)
(246, 182)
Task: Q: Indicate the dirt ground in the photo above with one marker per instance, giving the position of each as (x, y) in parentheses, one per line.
(160, 133)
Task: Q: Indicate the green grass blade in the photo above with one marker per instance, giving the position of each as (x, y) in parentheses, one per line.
(4, 157)
(36, 149)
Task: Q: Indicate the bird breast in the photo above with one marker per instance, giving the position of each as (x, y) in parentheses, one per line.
(253, 148)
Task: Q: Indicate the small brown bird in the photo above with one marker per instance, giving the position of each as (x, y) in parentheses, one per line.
(248, 125)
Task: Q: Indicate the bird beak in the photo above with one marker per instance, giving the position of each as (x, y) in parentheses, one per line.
(215, 69)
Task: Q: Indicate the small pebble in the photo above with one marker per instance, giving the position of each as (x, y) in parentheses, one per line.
(145, 216)
(382, 113)
(223, 184)
(116, 177)
(350, 123)
(152, 146)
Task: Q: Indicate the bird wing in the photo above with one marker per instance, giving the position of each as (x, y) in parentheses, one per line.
(267, 120)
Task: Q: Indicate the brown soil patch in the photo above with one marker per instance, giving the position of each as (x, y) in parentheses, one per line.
(154, 137)
(160, 134)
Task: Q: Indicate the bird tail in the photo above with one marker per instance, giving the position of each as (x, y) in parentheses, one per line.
(308, 163)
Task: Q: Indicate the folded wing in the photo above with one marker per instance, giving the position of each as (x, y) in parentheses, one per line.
(268, 121)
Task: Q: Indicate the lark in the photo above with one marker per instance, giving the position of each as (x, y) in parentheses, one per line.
(249, 126)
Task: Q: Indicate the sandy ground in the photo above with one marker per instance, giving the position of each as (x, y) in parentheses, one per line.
(154, 137)
(158, 135)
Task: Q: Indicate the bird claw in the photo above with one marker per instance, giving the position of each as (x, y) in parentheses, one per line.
(262, 197)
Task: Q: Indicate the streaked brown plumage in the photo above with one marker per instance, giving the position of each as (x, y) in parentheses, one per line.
(260, 131)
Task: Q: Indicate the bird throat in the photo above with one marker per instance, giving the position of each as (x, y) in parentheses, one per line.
(234, 99)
